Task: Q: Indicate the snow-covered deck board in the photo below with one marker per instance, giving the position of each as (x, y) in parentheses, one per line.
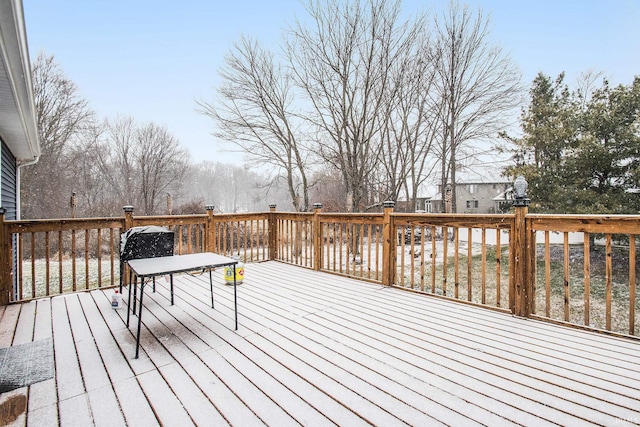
(316, 349)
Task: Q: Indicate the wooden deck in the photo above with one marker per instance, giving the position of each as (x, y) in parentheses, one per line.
(315, 349)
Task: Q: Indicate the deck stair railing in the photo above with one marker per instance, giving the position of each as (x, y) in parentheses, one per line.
(574, 269)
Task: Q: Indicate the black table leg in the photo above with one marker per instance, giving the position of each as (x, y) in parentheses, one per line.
(154, 284)
(129, 302)
(135, 293)
(171, 281)
(121, 271)
(235, 295)
(140, 315)
(211, 286)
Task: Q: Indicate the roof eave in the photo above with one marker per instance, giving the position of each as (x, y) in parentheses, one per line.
(18, 124)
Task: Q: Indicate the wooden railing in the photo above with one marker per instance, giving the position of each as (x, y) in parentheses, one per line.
(584, 270)
(466, 257)
(244, 236)
(562, 268)
(49, 257)
(352, 245)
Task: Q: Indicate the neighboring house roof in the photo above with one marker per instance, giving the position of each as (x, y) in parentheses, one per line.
(18, 125)
(505, 195)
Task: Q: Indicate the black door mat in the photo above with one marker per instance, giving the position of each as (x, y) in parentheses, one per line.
(25, 364)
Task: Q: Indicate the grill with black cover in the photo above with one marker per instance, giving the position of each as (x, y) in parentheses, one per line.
(145, 242)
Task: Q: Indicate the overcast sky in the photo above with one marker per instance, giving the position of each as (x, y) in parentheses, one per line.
(152, 59)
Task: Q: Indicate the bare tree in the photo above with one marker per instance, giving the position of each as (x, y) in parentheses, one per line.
(586, 84)
(253, 111)
(342, 63)
(139, 164)
(61, 114)
(478, 86)
(160, 163)
(117, 160)
(409, 134)
(94, 191)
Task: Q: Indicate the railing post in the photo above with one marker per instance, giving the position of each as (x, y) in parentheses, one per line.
(388, 245)
(5, 261)
(128, 217)
(520, 290)
(318, 241)
(210, 231)
(273, 232)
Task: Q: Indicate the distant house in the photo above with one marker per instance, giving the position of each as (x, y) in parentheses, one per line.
(475, 198)
(18, 125)
(422, 205)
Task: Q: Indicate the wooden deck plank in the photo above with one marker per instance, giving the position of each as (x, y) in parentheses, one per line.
(26, 323)
(105, 410)
(234, 410)
(114, 361)
(101, 397)
(43, 396)
(372, 404)
(424, 395)
(68, 375)
(75, 412)
(135, 406)
(224, 399)
(42, 325)
(165, 404)
(197, 404)
(46, 416)
(113, 339)
(9, 322)
(88, 355)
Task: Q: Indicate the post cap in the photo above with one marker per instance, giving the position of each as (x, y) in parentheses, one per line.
(272, 206)
(209, 207)
(3, 211)
(317, 206)
(389, 204)
(128, 208)
(520, 186)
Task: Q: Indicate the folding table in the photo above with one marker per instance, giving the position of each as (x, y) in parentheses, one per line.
(145, 268)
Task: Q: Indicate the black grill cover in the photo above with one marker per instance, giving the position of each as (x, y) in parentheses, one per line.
(146, 242)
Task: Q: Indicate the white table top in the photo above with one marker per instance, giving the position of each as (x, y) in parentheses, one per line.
(178, 263)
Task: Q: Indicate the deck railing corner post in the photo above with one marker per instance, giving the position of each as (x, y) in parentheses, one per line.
(388, 245)
(520, 290)
(317, 237)
(210, 231)
(128, 217)
(273, 232)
